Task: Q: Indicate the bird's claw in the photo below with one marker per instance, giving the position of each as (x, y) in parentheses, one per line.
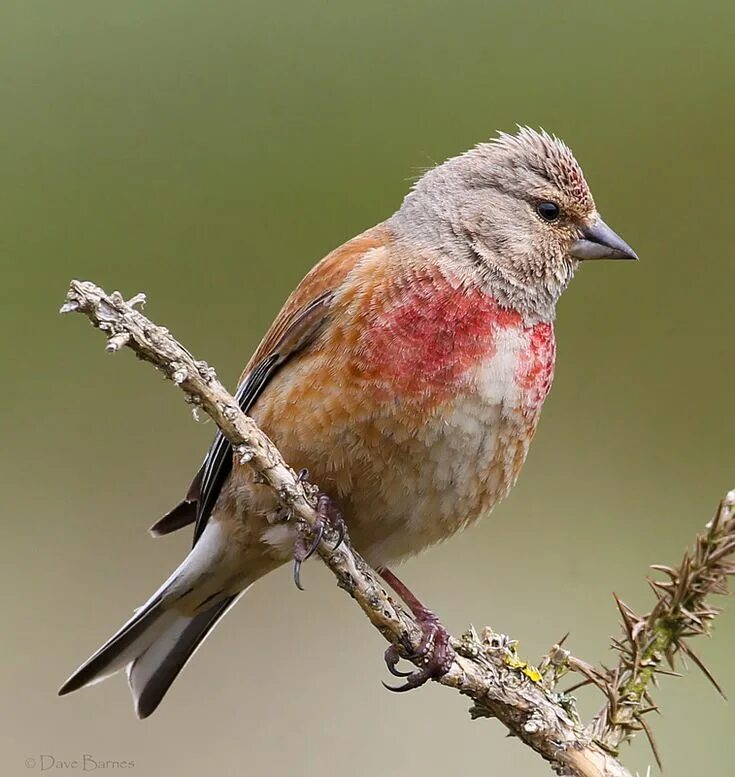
(435, 654)
(302, 552)
(327, 516)
(341, 532)
(392, 657)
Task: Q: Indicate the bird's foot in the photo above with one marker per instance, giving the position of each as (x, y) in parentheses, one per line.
(307, 540)
(434, 654)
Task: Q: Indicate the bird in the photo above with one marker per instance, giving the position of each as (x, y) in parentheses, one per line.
(405, 374)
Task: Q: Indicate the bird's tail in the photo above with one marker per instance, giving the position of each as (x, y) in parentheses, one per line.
(155, 644)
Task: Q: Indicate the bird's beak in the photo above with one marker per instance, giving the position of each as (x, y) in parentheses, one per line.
(598, 241)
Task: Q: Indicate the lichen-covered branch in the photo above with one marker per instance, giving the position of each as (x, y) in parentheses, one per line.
(486, 667)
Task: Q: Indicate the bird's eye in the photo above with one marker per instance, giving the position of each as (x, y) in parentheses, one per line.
(549, 211)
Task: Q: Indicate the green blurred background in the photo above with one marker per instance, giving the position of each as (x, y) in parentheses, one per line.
(209, 154)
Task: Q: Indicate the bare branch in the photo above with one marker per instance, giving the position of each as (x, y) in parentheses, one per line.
(486, 668)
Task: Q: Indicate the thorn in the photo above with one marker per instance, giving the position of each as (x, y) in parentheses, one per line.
(663, 585)
(725, 550)
(670, 656)
(700, 664)
(667, 672)
(691, 616)
(621, 647)
(669, 571)
(651, 741)
(714, 525)
(684, 581)
(592, 674)
(625, 612)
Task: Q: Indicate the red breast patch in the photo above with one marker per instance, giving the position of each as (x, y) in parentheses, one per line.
(425, 336)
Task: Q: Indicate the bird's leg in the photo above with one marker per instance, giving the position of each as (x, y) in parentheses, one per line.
(306, 543)
(434, 652)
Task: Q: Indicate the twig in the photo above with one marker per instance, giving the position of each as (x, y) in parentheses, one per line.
(486, 668)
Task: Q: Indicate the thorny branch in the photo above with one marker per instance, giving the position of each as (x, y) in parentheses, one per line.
(649, 641)
(487, 667)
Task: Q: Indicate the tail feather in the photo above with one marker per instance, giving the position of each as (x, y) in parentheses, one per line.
(151, 674)
(182, 515)
(119, 650)
(159, 639)
(154, 646)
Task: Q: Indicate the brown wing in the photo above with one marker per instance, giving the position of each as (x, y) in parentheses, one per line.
(295, 328)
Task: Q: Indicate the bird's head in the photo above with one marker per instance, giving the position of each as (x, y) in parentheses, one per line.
(520, 210)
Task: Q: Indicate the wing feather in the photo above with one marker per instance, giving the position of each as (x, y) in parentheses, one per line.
(296, 327)
(301, 331)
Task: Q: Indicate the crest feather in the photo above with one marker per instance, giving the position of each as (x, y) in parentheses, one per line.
(551, 156)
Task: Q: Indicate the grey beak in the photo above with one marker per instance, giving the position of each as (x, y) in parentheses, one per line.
(600, 242)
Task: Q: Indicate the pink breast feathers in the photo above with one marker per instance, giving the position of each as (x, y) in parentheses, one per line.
(536, 367)
(427, 334)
